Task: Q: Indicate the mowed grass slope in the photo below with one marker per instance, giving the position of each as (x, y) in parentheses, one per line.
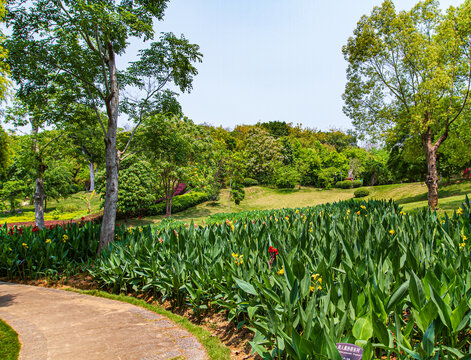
(75, 207)
(411, 197)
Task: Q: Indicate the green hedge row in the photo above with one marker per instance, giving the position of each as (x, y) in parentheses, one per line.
(348, 184)
(179, 203)
(250, 182)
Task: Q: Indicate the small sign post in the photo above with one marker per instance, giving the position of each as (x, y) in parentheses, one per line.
(350, 351)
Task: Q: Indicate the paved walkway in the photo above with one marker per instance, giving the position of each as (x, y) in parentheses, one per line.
(60, 325)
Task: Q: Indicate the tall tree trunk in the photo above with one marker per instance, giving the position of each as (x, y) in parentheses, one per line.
(111, 156)
(91, 169)
(432, 174)
(92, 176)
(39, 188)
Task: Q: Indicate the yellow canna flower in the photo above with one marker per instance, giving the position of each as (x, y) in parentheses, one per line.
(392, 232)
(48, 241)
(460, 211)
(281, 271)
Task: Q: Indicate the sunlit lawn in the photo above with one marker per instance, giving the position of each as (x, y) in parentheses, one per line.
(411, 196)
(54, 212)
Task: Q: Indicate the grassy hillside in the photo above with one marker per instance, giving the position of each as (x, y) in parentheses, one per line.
(410, 196)
(73, 207)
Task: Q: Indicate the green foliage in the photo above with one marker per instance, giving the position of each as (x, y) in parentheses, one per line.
(346, 272)
(301, 279)
(136, 189)
(263, 154)
(357, 183)
(58, 181)
(31, 252)
(68, 208)
(12, 190)
(286, 177)
(277, 129)
(179, 203)
(237, 193)
(361, 193)
(249, 182)
(345, 184)
(4, 147)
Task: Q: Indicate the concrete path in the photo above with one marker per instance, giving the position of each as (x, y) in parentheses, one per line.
(60, 325)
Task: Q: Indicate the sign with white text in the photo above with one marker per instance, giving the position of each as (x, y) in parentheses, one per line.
(350, 351)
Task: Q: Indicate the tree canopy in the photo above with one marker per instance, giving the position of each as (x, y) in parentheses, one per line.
(410, 71)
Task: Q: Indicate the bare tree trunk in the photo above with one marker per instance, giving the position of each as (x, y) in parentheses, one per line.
(39, 188)
(111, 157)
(91, 169)
(92, 176)
(432, 173)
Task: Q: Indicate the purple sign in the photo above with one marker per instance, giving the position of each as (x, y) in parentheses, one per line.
(350, 351)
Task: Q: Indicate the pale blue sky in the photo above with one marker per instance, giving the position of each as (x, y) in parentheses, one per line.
(268, 60)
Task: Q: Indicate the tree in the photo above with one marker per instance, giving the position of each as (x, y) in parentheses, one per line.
(4, 68)
(4, 150)
(263, 153)
(235, 168)
(174, 144)
(79, 42)
(410, 71)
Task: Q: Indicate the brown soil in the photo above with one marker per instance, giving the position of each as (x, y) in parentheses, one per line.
(54, 223)
(216, 323)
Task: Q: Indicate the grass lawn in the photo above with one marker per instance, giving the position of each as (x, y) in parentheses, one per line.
(9, 344)
(73, 207)
(411, 196)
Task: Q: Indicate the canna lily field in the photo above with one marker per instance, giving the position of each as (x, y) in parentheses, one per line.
(366, 273)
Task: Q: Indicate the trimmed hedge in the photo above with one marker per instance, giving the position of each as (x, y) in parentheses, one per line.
(357, 183)
(346, 184)
(250, 182)
(359, 193)
(179, 203)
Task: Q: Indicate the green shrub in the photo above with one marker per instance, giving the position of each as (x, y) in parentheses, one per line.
(361, 193)
(357, 183)
(250, 182)
(179, 203)
(68, 208)
(346, 184)
(286, 177)
(237, 193)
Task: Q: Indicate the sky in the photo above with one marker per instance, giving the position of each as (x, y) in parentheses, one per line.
(268, 60)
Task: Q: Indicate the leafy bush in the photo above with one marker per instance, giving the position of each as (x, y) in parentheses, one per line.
(136, 188)
(179, 203)
(249, 182)
(29, 252)
(286, 177)
(361, 193)
(237, 193)
(367, 263)
(346, 184)
(357, 183)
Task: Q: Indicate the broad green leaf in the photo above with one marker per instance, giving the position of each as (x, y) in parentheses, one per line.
(245, 286)
(362, 329)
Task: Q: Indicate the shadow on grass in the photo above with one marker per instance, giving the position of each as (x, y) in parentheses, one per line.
(442, 194)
